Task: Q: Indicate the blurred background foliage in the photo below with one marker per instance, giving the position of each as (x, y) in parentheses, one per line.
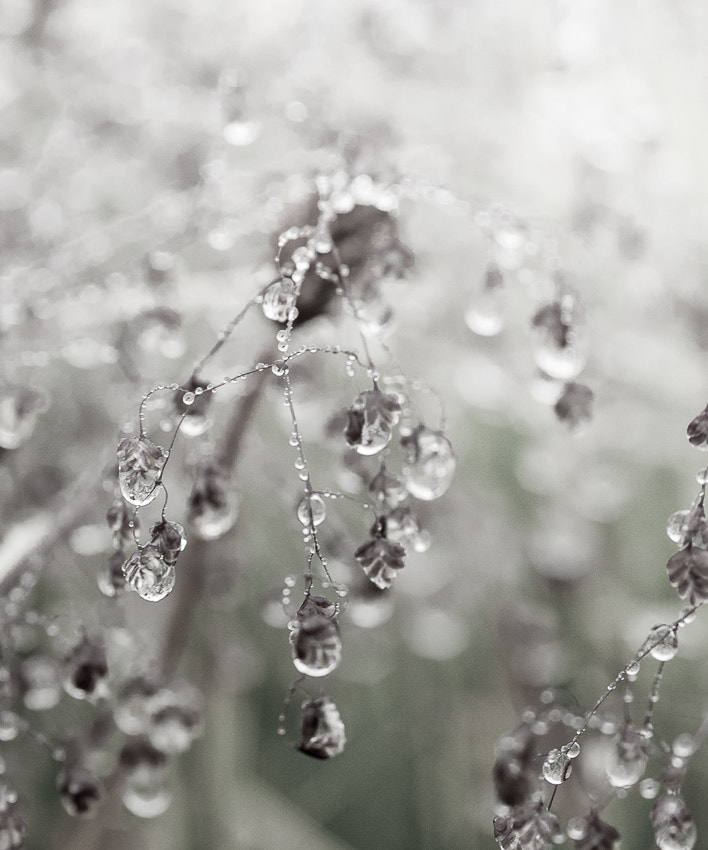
(554, 131)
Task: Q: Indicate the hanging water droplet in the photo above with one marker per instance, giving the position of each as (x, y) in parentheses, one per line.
(676, 526)
(279, 300)
(148, 575)
(140, 464)
(317, 647)
(577, 828)
(9, 725)
(632, 670)
(370, 421)
(627, 760)
(557, 767)
(430, 463)
(684, 745)
(572, 750)
(212, 506)
(312, 511)
(665, 642)
(80, 791)
(674, 828)
(649, 788)
(485, 313)
(323, 735)
(20, 407)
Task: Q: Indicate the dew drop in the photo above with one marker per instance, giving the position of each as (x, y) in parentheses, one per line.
(572, 750)
(676, 526)
(312, 511)
(632, 670)
(557, 767)
(665, 642)
(649, 788)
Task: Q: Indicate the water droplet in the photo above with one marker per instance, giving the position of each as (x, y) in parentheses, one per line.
(572, 750)
(676, 526)
(684, 746)
(627, 760)
(317, 647)
(430, 463)
(632, 670)
(188, 398)
(312, 511)
(212, 506)
(140, 464)
(279, 300)
(9, 725)
(674, 828)
(667, 646)
(649, 788)
(148, 575)
(557, 767)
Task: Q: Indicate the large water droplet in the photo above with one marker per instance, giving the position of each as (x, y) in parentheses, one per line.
(430, 463)
(279, 300)
(557, 767)
(140, 464)
(312, 510)
(667, 645)
(148, 575)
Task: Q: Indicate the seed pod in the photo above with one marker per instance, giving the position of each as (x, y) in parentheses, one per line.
(323, 733)
(140, 464)
(80, 791)
(370, 420)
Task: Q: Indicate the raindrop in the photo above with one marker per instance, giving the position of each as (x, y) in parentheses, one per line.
(312, 511)
(557, 767)
(666, 642)
(148, 575)
(140, 464)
